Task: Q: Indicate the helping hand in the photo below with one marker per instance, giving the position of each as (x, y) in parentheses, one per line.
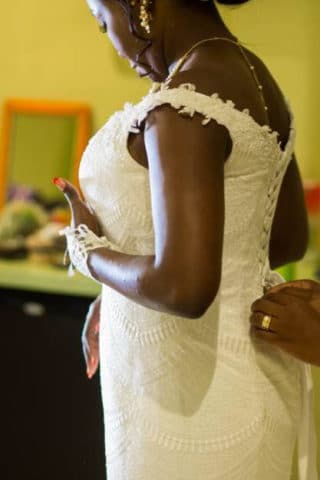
(294, 308)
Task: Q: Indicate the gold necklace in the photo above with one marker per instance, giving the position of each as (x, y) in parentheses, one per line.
(185, 56)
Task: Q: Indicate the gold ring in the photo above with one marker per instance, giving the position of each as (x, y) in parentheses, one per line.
(266, 322)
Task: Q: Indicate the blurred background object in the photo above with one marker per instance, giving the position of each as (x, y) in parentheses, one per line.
(41, 140)
(309, 267)
(55, 51)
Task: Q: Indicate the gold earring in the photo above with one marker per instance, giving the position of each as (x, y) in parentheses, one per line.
(103, 28)
(145, 15)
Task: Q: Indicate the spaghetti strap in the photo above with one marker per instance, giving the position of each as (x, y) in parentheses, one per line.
(186, 100)
(182, 60)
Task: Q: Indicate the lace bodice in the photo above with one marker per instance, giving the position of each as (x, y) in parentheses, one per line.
(118, 187)
(174, 390)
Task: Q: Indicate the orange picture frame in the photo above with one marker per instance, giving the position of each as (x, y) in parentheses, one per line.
(79, 111)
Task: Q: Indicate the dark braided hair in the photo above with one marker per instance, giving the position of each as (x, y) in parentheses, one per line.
(232, 2)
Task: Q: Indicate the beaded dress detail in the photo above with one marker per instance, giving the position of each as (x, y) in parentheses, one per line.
(196, 400)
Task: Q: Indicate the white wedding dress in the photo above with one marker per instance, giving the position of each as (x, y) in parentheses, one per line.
(197, 399)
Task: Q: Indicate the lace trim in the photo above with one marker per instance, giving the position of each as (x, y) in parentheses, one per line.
(269, 277)
(187, 100)
(80, 240)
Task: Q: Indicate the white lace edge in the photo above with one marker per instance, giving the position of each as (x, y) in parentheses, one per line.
(187, 100)
(81, 240)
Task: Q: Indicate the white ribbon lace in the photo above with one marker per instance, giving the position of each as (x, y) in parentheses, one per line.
(80, 240)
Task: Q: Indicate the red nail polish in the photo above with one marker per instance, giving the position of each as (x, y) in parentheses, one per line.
(61, 184)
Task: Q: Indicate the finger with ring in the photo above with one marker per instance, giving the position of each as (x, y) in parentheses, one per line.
(266, 322)
(262, 321)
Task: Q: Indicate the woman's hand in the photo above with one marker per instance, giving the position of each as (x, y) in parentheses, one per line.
(294, 308)
(80, 211)
(90, 338)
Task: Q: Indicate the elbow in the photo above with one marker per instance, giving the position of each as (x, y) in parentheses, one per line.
(186, 294)
(300, 253)
(194, 311)
(284, 252)
(301, 248)
(192, 302)
(283, 257)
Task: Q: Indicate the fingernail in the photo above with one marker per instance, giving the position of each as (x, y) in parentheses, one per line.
(97, 328)
(61, 184)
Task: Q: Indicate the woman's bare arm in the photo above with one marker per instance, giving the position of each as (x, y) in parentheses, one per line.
(186, 171)
(289, 234)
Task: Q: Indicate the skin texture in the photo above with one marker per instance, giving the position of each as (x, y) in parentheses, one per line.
(187, 176)
(294, 308)
(90, 337)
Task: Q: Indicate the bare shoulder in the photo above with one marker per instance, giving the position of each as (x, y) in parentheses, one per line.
(186, 172)
(223, 69)
(166, 121)
(207, 79)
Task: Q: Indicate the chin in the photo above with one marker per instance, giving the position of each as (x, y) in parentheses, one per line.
(155, 77)
(151, 74)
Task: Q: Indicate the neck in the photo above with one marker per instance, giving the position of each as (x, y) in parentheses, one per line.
(176, 34)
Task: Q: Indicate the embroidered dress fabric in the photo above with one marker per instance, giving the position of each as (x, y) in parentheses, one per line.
(80, 240)
(188, 400)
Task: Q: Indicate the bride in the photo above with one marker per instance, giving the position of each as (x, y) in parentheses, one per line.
(191, 198)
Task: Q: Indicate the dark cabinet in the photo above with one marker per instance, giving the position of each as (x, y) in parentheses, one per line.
(52, 424)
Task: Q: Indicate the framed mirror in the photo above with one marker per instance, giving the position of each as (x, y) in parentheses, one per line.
(41, 140)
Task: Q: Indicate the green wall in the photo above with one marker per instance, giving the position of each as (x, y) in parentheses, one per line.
(53, 50)
(284, 33)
